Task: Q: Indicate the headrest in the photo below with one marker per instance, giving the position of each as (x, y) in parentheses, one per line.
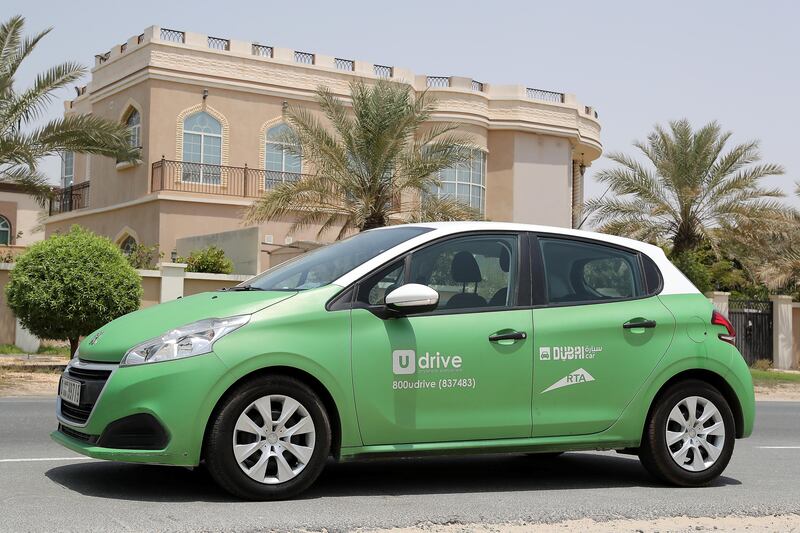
(505, 259)
(465, 269)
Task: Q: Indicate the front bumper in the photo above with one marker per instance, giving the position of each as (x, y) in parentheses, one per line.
(172, 395)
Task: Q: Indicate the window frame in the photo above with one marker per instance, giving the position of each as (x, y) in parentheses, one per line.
(346, 298)
(284, 151)
(9, 229)
(202, 173)
(540, 290)
(135, 127)
(71, 174)
(438, 191)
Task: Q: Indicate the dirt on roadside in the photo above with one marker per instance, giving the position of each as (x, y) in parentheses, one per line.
(680, 524)
(14, 383)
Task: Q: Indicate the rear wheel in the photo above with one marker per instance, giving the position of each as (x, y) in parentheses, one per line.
(270, 440)
(688, 439)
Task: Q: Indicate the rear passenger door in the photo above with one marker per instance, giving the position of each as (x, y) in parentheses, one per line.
(599, 331)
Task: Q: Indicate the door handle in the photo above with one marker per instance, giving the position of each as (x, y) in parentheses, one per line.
(511, 336)
(633, 324)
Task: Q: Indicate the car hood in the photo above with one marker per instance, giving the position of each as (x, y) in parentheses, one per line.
(112, 341)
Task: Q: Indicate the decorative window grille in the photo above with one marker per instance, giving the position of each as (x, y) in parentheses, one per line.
(477, 86)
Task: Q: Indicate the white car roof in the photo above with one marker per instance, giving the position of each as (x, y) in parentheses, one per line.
(674, 281)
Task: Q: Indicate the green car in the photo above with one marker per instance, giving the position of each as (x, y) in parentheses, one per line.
(440, 338)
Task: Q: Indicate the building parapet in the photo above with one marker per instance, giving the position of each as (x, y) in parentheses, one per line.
(258, 51)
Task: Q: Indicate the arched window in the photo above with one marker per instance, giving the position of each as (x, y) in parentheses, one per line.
(281, 163)
(134, 124)
(128, 245)
(67, 169)
(202, 148)
(466, 182)
(5, 231)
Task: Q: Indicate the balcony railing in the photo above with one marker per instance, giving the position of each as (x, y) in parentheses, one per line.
(69, 198)
(383, 71)
(173, 36)
(261, 50)
(546, 96)
(438, 82)
(200, 178)
(218, 43)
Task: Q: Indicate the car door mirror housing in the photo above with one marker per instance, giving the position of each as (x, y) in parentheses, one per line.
(412, 298)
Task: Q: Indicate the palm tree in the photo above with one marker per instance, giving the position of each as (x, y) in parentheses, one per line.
(23, 144)
(373, 163)
(689, 189)
(775, 255)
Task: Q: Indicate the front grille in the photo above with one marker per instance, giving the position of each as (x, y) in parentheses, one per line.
(89, 373)
(74, 413)
(77, 435)
(92, 378)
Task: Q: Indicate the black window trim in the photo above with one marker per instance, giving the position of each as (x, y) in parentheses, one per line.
(541, 299)
(346, 298)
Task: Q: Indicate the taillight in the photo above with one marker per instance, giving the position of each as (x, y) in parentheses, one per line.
(718, 319)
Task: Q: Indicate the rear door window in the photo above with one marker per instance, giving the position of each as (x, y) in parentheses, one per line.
(582, 272)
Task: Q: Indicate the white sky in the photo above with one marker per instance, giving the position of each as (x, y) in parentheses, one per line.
(638, 63)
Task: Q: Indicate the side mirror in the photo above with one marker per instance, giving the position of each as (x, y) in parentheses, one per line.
(412, 298)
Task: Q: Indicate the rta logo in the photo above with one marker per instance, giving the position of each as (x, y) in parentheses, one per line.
(404, 362)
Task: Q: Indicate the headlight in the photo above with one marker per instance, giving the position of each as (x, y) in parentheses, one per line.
(196, 338)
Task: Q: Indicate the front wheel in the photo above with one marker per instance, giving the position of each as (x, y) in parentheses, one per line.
(688, 439)
(270, 440)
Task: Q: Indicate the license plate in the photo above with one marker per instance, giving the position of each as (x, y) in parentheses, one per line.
(70, 391)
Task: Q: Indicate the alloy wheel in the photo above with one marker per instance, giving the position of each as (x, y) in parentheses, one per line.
(273, 439)
(695, 433)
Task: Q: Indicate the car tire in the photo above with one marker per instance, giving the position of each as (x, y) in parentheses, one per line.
(259, 459)
(683, 448)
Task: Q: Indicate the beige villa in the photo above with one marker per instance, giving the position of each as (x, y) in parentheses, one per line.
(206, 112)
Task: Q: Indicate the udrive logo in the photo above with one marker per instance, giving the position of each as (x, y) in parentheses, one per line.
(406, 362)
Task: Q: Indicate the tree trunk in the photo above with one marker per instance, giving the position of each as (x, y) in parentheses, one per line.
(73, 346)
(374, 221)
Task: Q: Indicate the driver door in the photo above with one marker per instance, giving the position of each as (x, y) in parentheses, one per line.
(438, 376)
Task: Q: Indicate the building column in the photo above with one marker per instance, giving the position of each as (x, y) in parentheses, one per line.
(172, 277)
(720, 301)
(782, 339)
(578, 170)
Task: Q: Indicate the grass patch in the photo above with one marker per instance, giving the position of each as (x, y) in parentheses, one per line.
(773, 377)
(10, 348)
(52, 349)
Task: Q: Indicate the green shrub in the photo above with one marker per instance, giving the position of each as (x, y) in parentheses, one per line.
(72, 284)
(692, 266)
(211, 260)
(143, 257)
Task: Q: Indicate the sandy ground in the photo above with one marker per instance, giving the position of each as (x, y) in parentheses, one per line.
(680, 524)
(779, 393)
(28, 383)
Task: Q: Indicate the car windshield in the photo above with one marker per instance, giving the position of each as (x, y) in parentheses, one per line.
(326, 264)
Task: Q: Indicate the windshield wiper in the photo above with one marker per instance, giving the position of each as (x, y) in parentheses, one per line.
(240, 288)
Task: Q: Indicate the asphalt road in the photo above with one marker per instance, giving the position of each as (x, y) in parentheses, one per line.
(58, 494)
